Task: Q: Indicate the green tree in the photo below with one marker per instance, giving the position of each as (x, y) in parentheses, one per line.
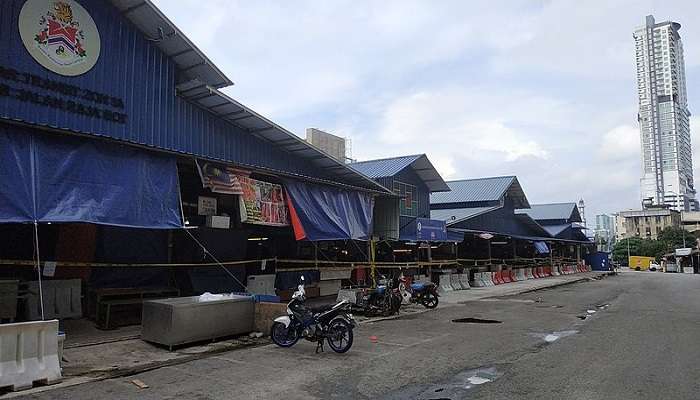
(673, 237)
(620, 249)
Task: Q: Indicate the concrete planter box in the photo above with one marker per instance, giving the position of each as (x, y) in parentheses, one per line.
(181, 320)
(265, 313)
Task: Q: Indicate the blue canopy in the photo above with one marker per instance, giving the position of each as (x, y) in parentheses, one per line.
(50, 178)
(541, 247)
(320, 212)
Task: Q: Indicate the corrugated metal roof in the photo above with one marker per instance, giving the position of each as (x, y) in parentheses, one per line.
(482, 189)
(455, 215)
(563, 211)
(554, 230)
(387, 167)
(527, 220)
(191, 62)
(255, 124)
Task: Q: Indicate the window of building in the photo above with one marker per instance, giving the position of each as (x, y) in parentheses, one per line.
(409, 203)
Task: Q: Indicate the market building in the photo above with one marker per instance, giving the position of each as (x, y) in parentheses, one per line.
(498, 223)
(560, 220)
(123, 165)
(403, 221)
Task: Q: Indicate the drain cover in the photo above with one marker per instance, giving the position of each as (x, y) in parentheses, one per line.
(476, 321)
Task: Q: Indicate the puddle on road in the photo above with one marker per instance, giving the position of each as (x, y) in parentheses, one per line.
(457, 387)
(554, 336)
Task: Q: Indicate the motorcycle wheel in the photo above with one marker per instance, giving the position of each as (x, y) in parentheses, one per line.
(429, 300)
(340, 335)
(283, 336)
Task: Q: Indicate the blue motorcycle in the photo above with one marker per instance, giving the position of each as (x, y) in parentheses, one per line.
(424, 293)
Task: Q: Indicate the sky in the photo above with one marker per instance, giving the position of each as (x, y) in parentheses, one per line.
(545, 90)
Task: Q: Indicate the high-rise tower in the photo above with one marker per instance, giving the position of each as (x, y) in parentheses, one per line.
(663, 116)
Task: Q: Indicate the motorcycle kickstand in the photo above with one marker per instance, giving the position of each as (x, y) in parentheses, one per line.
(319, 346)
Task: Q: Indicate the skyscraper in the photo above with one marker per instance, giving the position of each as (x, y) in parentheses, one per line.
(663, 116)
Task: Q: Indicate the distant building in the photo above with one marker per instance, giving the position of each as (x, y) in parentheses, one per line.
(691, 220)
(604, 231)
(664, 117)
(646, 223)
(335, 146)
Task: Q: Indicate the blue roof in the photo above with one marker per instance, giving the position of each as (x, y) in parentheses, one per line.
(384, 167)
(482, 189)
(561, 211)
(454, 215)
(387, 167)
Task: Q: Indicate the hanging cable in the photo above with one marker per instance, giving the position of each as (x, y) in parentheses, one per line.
(206, 252)
(38, 267)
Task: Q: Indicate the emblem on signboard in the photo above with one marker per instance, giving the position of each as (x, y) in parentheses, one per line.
(60, 35)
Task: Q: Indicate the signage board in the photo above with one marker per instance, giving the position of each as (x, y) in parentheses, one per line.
(206, 205)
(60, 35)
(431, 229)
(683, 251)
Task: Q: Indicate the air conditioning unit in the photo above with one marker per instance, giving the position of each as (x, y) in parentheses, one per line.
(218, 221)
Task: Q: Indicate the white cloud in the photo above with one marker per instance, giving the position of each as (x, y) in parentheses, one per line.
(621, 142)
(545, 90)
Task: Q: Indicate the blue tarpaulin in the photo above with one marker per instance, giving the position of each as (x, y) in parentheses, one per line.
(48, 178)
(320, 212)
(541, 247)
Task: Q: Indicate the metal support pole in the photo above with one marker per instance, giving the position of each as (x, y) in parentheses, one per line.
(373, 266)
(38, 267)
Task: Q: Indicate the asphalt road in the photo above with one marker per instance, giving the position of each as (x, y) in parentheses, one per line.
(641, 342)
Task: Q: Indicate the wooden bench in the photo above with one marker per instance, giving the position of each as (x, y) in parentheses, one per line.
(104, 301)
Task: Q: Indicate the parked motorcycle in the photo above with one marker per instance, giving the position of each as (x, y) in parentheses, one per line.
(332, 324)
(424, 293)
(383, 300)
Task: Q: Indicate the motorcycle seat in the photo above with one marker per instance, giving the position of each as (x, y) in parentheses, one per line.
(320, 309)
(418, 286)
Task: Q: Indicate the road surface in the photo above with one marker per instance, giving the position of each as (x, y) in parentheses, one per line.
(631, 336)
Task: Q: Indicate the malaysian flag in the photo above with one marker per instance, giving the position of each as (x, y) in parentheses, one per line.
(220, 178)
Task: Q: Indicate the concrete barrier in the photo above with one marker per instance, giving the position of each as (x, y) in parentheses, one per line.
(505, 276)
(496, 278)
(454, 282)
(62, 299)
(261, 284)
(445, 283)
(555, 271)
(520, 274)
(351, 295)
(29, 354)
(487, 277)
(464, 280)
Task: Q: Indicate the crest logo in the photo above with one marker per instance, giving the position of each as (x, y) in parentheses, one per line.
(60, 35)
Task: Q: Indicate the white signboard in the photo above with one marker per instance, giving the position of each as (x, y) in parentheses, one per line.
(684, 251)
(60, 35)
(206, 205)
(49, 268)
